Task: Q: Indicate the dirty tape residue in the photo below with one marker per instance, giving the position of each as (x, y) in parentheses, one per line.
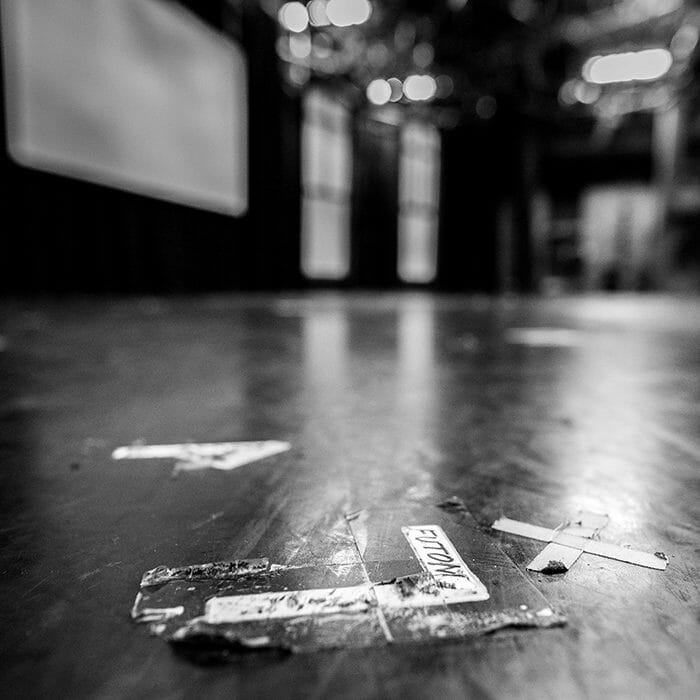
(252, 604)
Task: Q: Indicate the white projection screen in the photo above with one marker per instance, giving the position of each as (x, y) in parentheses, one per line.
(134, 94)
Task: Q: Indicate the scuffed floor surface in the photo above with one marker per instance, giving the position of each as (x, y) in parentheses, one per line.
(400, 411)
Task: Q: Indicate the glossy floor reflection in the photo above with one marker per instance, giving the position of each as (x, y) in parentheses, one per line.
(386, 399)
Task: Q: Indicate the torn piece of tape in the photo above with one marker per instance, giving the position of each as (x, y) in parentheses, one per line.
(359, 630)
(602, 549)
(285, 604)
(142, 613)
(214, 571)
(556, 558)
(440, 559)
(213, 455)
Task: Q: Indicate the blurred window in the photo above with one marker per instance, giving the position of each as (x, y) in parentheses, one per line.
(326, 182)
(419, 191)
(618, 223)
(136, 95)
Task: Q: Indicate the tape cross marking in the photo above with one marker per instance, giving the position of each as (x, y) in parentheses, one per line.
(557, 558)
(602, 549)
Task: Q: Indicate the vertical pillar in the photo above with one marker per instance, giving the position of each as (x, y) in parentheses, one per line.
(522, 210)
(472, 180)
(271, 248)
(375, 203)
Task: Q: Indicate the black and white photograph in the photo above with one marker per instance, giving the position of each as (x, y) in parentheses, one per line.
(350, 349)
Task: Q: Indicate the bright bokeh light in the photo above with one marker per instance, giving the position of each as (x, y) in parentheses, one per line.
(344, 13)
(300, 45)
(648, 64)
(445, 86)
(523, 10)
(322, 45)
(317, 13)
(567, 93)
(585, 93)
(379, 92)
(396, 89)
(423, 54)
(684, 41)
(293, 17)
(419, 88)
(486, 107)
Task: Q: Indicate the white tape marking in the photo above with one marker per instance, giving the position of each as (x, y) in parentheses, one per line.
(153, 614)
(214, 455)
(159, 614)
(285, 604)
(602, 549)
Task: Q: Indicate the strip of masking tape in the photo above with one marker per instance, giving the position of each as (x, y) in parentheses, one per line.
(439, 558)
(602, 549)
(215, 455)
(286, 604)
(557, 558)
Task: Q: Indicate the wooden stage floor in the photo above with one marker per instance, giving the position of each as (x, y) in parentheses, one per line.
(388, 401)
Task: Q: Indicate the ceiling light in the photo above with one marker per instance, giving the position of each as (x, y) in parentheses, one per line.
(344, 13)
(419, 87)
(379, 92)
(293, 17)
(648, 64)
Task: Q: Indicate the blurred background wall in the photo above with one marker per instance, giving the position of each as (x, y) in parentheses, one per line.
(155, 146)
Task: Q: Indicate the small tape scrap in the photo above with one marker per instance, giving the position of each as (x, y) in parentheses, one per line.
(602, 549)
(213, 455)
(146, 614)
(214, 571)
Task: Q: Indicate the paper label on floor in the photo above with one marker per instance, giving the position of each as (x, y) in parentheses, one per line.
(441, 560)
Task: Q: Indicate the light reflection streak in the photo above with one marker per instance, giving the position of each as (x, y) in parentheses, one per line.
(416, 399)
(613, 461)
